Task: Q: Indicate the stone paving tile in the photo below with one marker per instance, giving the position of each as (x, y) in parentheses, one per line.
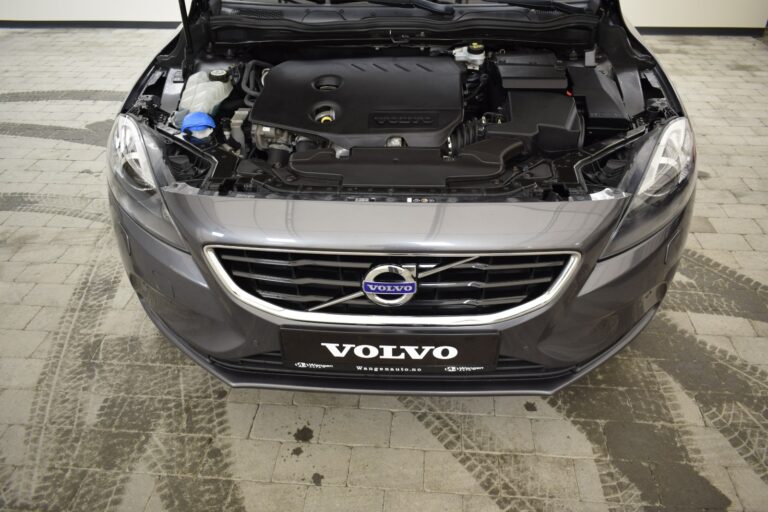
(326, 399)
(752, 494)
(14, 293)
(12, 444)
(387, 468)
(317, 464)
(98, 412)
(287, 423)
(13, 316)
(55, 273)
(252, 460)
(20, 373)
(52, 295)
(407, 432)
(240, 418)
(340, 499)
(752, 349)
(524, 407)
(721, 325)
(356, 427)
(442, 473)
(397, 501)
(38, 253)
(497, 435)
(20, 344)
(537, 476)
(552, 437)
(273, 497)
(15, 406)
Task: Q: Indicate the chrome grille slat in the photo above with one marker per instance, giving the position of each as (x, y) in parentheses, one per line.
(296, 263)
(478, 284)
(292, 297)
(516, 266)
(294, 280)
(327, 285)
(449, 302)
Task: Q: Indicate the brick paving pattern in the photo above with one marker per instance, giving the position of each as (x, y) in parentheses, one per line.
(99, 412)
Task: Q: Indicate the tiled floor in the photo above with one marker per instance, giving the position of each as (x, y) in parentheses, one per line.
(98, 412)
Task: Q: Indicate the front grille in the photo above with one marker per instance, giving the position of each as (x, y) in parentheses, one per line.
(303, 281)
(507, 369)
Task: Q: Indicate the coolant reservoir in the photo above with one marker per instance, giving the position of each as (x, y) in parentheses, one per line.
(204, 91)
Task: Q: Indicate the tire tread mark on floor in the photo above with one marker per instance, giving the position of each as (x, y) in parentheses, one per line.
(60, 443)
(716, 289)
(62, 95)
(731, 393)
(75, 207)
(483, 467)
(619, 490)
(63, 379)
(746, 430)
(94, 134)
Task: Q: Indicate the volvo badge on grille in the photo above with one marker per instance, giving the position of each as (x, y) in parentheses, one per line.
(389, 285)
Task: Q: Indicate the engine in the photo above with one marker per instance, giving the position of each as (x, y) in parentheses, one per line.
(374, 102)
(462, 120)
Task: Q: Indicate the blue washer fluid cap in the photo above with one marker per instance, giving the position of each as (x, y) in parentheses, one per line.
(197, 122)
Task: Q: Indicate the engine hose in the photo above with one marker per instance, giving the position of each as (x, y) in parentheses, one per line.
(480, 87)
(466, 133)
(250, 81)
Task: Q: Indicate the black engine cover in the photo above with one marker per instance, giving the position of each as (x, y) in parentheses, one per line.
(372, 99)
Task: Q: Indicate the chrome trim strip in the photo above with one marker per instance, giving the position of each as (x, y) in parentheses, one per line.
(260, 306)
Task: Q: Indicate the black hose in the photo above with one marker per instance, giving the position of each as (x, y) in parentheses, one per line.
(250, 81)
(478, 88)
(465, 134)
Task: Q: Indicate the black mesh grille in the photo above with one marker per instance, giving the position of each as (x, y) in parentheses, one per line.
(301, 281)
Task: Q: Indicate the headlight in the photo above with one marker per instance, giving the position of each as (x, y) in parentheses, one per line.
(131, 154)
(128, 156)
(671, 164)
(664, 188)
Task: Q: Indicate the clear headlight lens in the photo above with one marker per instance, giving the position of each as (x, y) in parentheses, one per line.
(671, 164)
(128, 155)
(664, 189)
(131, 154)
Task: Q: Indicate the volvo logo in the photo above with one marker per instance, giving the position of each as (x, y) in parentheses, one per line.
(445, 352)
(402, 119)
(389, 285)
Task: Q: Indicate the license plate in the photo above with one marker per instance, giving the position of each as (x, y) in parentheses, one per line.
(389, 353)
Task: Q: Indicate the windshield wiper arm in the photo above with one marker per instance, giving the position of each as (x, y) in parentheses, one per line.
(552, 5)
(427, 5)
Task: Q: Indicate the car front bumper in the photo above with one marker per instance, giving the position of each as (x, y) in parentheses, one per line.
(601, 312)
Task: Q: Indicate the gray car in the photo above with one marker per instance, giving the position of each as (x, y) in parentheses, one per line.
(402, 196)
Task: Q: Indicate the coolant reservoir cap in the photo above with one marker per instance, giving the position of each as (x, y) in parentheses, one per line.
(197, 122)
(218, 75)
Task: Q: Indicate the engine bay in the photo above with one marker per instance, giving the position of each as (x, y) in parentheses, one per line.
(472, 120)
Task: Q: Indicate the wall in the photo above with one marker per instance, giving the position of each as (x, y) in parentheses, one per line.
(642, 13)
(90, 10)
(697, 13)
